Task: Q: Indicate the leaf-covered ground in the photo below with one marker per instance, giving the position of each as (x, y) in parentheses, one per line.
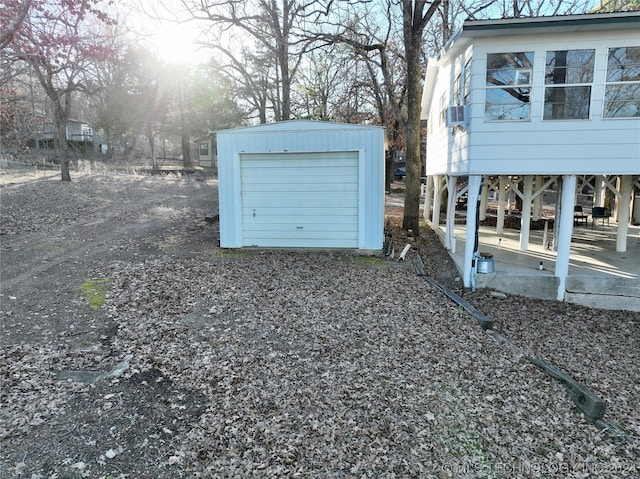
(201, 362)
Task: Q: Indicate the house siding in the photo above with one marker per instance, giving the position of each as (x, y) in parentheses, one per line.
(592, 146)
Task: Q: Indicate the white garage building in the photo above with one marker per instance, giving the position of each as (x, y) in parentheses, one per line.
(302, 184)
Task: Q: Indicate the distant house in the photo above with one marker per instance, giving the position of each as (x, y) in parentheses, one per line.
(79, 135)
(533, 102)
(206, 151)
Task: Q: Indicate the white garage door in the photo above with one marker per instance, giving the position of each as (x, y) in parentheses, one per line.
(300, 200)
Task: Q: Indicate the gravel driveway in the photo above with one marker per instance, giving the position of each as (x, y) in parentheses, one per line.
(133, 347)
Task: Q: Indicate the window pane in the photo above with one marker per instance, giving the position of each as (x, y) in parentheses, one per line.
(624, 64)
(569, 66)
(509, 68)
(622, 101)
(457, 91)
(507, 104)
(567, 103)
(467, 82)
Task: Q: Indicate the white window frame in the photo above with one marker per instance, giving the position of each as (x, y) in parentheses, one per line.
(466, 88)
(568, 85)
(519, 75)
(611, 84)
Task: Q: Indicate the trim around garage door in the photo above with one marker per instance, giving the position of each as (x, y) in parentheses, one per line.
(300, 200)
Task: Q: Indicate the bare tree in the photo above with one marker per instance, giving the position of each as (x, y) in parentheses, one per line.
(56, 41)
(277, 26)
(252, 72)
(415, 17)
(326, 81)
(370, 29)
(12, 16)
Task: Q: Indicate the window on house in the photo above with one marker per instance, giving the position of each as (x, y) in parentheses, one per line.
(622, 92)
(462, 86)
(457, 90)
(204, 149)
(443, 109)
(508, 86)
(467, 83)
(568, 79)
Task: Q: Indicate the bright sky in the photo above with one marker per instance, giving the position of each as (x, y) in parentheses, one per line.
(173, 42)
(176, 43)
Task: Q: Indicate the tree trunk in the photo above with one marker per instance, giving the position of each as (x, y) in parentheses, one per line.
(391, 153)
(186, 150)
(282, 45)
(388, 168)
(286, 83)
(65, 174)
(185, 137)
(152, 145)
(60, 141)
(412, 134)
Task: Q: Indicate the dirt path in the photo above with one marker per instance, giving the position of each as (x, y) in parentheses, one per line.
(44, 268)
(54, 243)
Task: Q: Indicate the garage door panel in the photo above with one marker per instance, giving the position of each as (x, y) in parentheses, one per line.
(299, 243)
(309, 177)
(297, 161)
(300, 200)
(331, 187)
(275, 218)
(260, 201)
(301, 234)
(281, 230)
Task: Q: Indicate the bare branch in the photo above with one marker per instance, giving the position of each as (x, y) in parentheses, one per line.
(15, 23)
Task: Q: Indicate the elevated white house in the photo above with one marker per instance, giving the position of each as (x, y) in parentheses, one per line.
(534, 101)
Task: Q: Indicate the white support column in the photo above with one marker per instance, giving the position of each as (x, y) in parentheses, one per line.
(636, 202)
(470, 234)
(598, 191)
(437, 199)
(449, 236)
(617, 198)
(624, 212)
(525, 221)
(537, 202)
(483, 200)
(564, 232)
(428, 198)
(502, 193)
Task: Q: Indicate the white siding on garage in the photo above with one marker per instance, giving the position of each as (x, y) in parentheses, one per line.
(300, 199)
(321, 181)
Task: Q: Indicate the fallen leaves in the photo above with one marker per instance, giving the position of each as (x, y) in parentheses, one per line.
(280, 364)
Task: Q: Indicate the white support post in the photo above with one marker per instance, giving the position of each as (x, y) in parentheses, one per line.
(502, 193)
(564, 232)
(449, 236)
(525, 220)
(624, 212)
(483, 200)
(428, 198)
(598, 191)
(470, 237)
(437, 199)
(617, 191)
(537, 202)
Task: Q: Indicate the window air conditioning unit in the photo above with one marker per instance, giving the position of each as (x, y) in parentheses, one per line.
(457, 115)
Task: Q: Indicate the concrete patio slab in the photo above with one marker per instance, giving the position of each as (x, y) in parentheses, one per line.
(599, 276)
